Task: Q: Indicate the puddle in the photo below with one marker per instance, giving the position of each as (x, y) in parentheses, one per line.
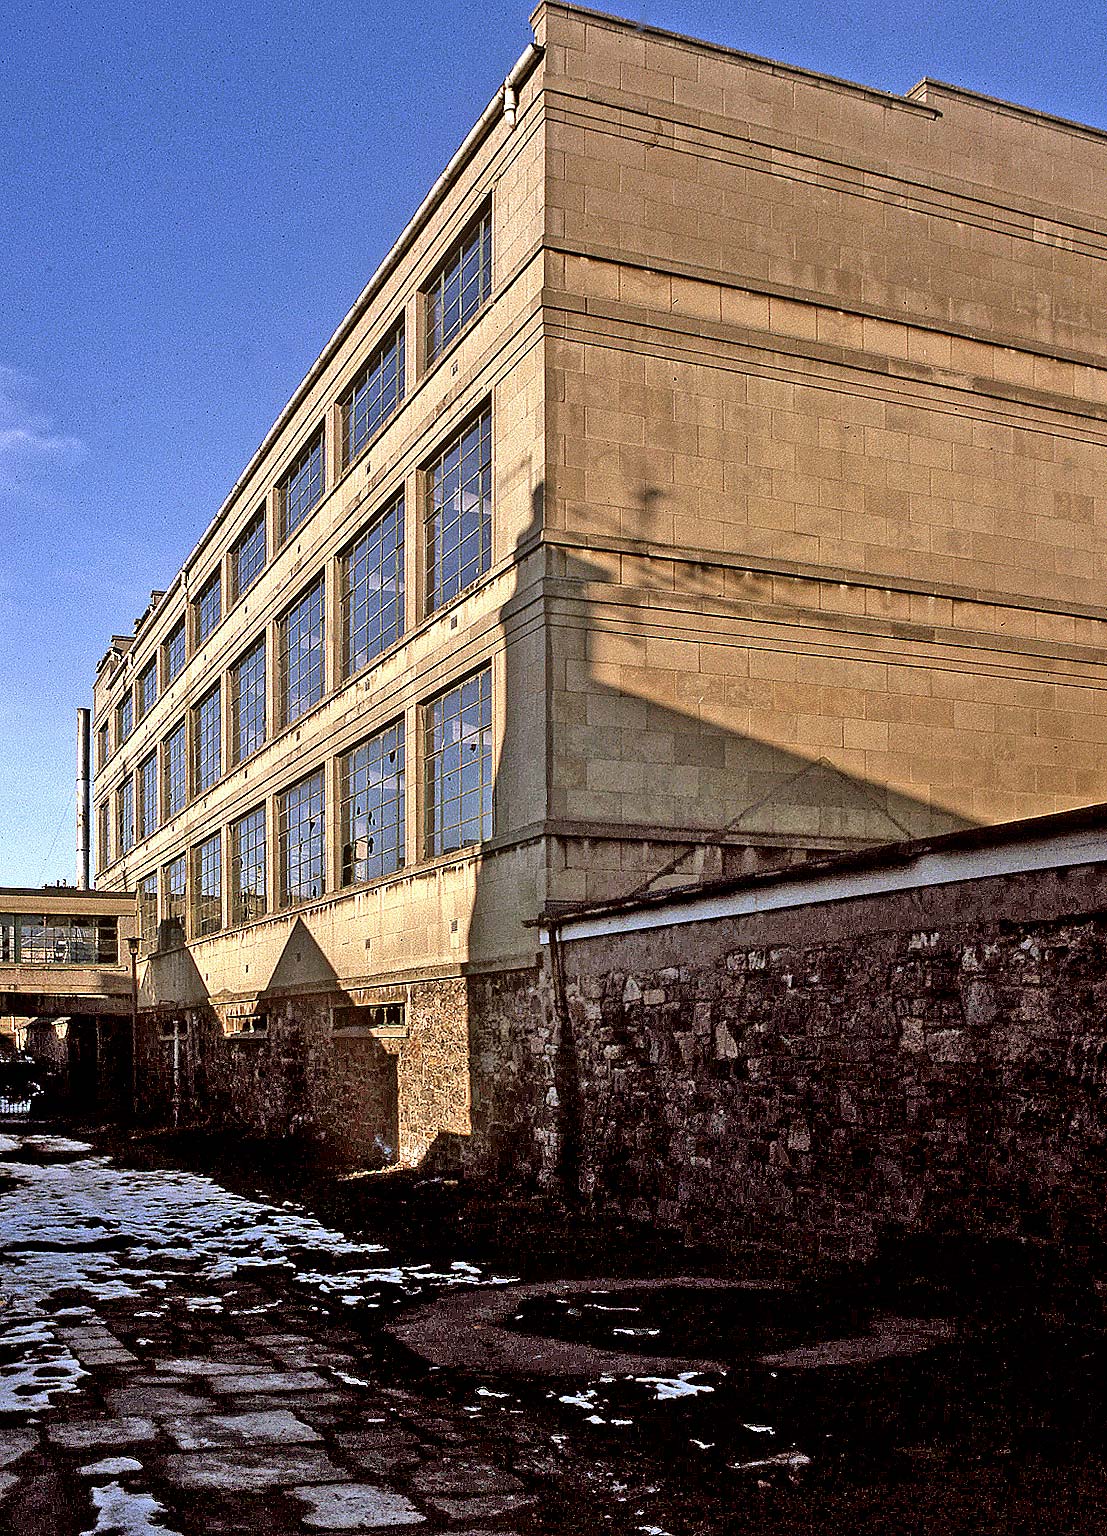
(724, 1323)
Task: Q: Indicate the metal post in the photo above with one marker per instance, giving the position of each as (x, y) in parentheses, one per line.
(176, 1070)
(132, 945)
(83, 775)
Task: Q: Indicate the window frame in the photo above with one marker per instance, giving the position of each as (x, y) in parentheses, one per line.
(124, 710)
(143, 706)
(145, 828)
(478, 232)
(179, 632)
(148, 942)
(284, 716)
(175, 920)
(202, 738)
(125, 816)
(348, 866)
(103, 833)
(213, 584)
(286, 898)
(393, 340)
(204, 919)
(259, 697)
(238, 915)
(315, 443)
(433, 476)
(432, 754)
(169, 809)
(238, 590)
(395, 508)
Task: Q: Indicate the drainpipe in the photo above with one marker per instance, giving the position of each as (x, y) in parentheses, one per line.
(83, 763)
(566, 1078)
(505, 103)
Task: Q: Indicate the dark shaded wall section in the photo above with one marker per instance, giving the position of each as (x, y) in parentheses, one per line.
(825, 1077)
(817, 1079)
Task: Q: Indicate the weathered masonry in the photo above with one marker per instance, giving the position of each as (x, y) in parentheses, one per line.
(711, 475)
(906, 1040)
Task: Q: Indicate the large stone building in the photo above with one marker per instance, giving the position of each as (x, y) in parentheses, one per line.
(714, 471)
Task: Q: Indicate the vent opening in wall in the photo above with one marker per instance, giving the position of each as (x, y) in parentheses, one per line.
(372, 1018)
(243, 1019)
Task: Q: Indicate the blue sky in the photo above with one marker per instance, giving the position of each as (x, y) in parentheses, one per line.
(190, 198)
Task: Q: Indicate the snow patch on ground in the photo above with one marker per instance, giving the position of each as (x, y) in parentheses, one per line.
(168, 1231)
(127, 1514)
(675, 1386)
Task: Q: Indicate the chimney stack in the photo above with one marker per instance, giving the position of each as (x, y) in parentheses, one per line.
(83, 776)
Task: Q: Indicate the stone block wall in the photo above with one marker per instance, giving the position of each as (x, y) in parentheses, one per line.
(815, 1079)
(518, 1077)
(366, 1097)
(820, 1090)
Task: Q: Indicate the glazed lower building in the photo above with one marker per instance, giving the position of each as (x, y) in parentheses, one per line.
(711, 474)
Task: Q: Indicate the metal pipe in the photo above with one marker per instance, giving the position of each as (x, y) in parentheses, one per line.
(132, 1107)
(511, 103)
(83, 776)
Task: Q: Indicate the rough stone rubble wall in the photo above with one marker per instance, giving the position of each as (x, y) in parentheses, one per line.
(821, 1094)
(369, 1099)
(815, 1079)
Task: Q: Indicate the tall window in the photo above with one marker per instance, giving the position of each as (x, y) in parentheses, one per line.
(301, 487)
(125, 816)
(147, 795)
(102, 747)
(173, 652)
(124, 718)
(103, 835)
(373, 589)
(300, 840)
(248, 703)
(459, 513)
(372, 810)
(174, 773)
(207, 607)
(374, 395)
(207, 885)
(459, 287)
(147, 690)
(248, 887)
(248, 556)
(206, 742)
(300, 654)
(148, 912)
(174, 891)
(457, 729)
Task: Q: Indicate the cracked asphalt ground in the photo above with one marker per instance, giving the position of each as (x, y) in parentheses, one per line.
(177, 1357)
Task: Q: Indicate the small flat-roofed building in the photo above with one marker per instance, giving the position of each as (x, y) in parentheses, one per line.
(712, 473)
